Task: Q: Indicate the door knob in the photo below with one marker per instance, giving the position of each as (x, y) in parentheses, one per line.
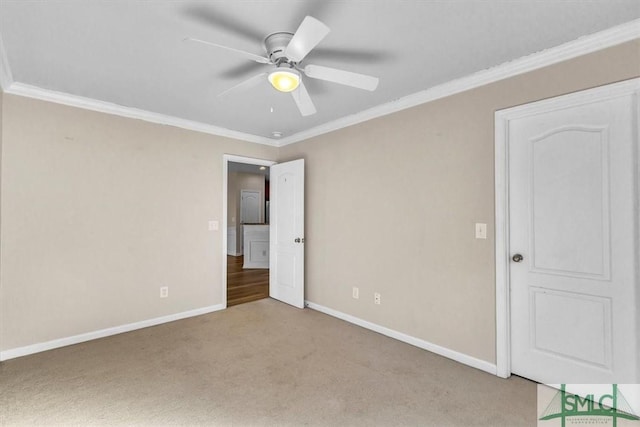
(297, 240)
(517, 258)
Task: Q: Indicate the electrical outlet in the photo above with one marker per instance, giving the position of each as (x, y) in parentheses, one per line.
(376, 298)
(356, 293)
(164, 292)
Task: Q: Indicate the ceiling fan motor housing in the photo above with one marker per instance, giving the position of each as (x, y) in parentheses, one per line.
(275, 44)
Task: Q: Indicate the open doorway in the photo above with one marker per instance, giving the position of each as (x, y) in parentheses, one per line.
(247, 220)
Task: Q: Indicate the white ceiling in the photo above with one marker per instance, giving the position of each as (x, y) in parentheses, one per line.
(131, 53)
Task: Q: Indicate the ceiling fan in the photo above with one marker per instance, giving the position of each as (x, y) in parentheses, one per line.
(285, 51)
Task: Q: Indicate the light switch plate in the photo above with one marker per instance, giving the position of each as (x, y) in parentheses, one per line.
(481, 230)
(213, 226)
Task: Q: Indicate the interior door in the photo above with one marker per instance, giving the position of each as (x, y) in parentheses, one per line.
(286, 261)
(573, 231)
(250, 201)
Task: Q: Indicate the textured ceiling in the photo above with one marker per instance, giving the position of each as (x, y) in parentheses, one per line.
(132, 53)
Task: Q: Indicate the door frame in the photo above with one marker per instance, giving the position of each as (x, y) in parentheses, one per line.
(502, 250)
(226, 158)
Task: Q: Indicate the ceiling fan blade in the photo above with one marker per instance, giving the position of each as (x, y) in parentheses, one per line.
(246, 55)
(352, 56)
(307, 36)
(303, 100)
(361, 81)
(239, 70)
(245, 84)
(209, 14)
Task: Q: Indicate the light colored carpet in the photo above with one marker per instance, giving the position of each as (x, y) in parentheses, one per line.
(262, 363)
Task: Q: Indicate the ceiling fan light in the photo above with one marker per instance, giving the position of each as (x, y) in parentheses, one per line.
(284, 80)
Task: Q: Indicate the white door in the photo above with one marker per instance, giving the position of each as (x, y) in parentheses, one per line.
(573, 218)
(250, 206)
(286, 262)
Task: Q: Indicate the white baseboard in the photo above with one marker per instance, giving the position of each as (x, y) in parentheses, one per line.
(76, 339)
(425, 345)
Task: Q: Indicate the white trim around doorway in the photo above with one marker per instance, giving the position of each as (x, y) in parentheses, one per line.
(226, 158)
(502, 118)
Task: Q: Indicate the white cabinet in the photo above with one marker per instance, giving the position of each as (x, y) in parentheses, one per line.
(256, 246)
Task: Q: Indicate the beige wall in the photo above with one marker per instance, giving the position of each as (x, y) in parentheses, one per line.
(239, 181)
(391, 206)
(1, 287)
(98, 212)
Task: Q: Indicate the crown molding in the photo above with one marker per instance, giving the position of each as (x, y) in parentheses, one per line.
(581, 46)
(6, 78)
(35, 92)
